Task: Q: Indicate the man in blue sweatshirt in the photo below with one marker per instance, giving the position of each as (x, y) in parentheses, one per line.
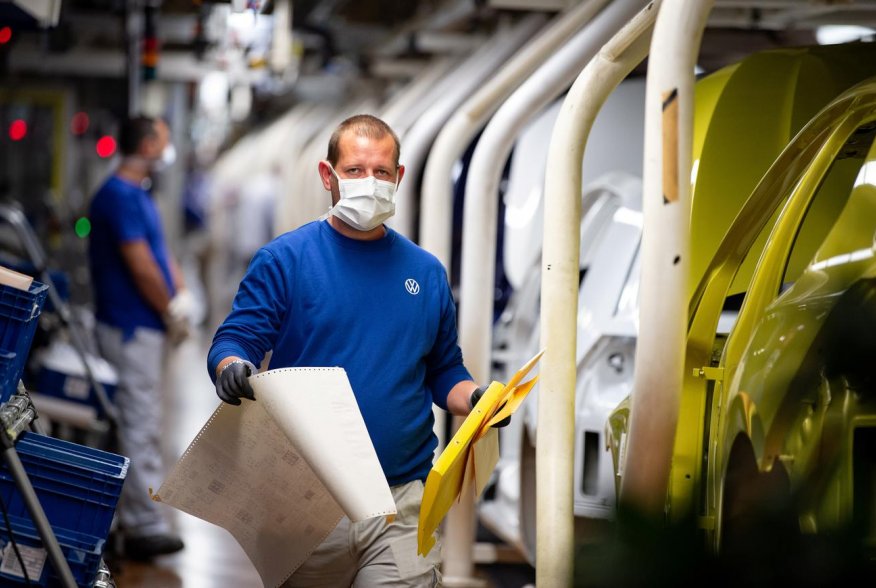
(349, 291)
(141, 304)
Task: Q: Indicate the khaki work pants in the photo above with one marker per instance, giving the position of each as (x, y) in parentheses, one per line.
(373, 554)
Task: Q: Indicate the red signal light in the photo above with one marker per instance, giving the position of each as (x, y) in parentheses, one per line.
(17, 130)
(5, 35)
(106, 146)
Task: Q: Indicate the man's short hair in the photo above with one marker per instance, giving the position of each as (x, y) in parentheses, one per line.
(363, 125)
(133, 131)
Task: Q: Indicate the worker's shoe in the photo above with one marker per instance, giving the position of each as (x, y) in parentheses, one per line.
(149, 546)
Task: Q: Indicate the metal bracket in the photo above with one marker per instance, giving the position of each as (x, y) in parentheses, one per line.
(16, 414)
(709, 373)
(706, 523)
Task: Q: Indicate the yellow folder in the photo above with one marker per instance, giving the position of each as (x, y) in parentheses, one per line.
(465, 465)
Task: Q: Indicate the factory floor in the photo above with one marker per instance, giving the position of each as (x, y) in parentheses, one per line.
(212, 558)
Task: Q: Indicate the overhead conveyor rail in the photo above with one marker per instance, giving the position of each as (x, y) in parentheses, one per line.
(781, 15)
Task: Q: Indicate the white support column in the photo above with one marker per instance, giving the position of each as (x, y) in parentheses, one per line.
(660, 350)
(559, 299)
(436, 227)
(480, 210)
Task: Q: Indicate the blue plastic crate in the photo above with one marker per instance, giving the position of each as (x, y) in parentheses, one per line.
(82, 552)
(60, 279)
(78, 486)
(70, 500)
(115, 465)
(8, 383)
(72, 388)
(19, 314)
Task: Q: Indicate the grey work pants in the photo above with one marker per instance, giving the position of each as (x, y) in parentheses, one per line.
(138, 362)
(373, 553)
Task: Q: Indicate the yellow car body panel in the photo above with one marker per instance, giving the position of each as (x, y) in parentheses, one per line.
(773, 390)
(789, 355)
(776, 216)
(747, 128)
(764, 101)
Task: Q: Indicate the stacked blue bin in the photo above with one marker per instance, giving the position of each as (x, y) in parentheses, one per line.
(78, 488)
(8, 379)
(82, 552)
(19, 315)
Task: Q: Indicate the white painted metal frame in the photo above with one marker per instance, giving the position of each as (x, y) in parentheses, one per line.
(560, 263)
(459, 85)
(481, 207)
(436, 202)
(665, 260)
(436, 220)
(485, 173)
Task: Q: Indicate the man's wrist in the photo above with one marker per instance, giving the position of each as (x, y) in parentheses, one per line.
(249, 366)
(476, 395)
(227, 361)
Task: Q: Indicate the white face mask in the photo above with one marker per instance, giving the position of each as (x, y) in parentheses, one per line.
(365, 202)
(167, 159)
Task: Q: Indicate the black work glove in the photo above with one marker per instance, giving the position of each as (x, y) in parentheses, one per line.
(232, 383)
(476, 395)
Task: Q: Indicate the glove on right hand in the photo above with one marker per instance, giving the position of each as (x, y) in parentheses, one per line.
(232, 383)
(476, 395)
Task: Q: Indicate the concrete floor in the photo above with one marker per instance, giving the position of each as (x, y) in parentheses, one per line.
(212, 558)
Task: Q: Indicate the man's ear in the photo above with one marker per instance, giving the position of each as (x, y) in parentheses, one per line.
(148, 147)
(325, 174)
(401, 174)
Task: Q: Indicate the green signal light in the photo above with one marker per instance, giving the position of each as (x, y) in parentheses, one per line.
(83, 227)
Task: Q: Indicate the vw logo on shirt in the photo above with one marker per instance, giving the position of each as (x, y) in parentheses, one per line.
(412, 286)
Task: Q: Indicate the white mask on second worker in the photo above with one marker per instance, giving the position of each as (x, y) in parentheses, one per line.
(365, 202)
(167, 159)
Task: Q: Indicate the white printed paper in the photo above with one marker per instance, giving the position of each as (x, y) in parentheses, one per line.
(280, 472)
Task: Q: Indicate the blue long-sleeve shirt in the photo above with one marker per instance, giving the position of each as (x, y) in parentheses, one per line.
(382, 310)
(122, 212)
